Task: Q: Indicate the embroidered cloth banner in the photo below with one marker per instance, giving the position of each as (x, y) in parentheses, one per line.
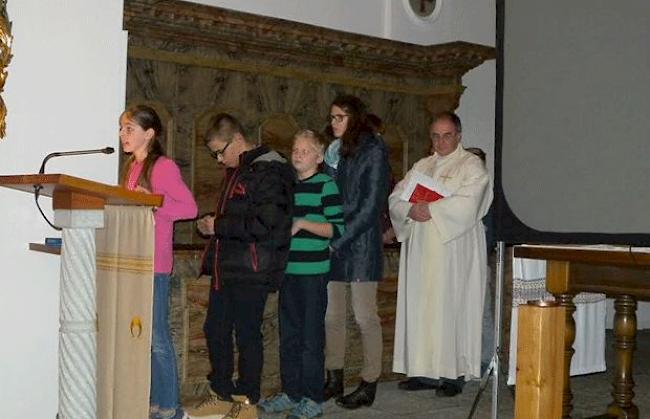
(124, 310)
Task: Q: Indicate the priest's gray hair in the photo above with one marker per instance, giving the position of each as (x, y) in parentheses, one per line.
(448, 116)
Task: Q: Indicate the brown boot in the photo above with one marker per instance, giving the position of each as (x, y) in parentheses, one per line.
(213, 406)
(242, 408)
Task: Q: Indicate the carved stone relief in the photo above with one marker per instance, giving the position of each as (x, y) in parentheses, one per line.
(271, 110)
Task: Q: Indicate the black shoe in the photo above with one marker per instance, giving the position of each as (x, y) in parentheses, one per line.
(448, 390)
(415, 384)
(364, 395)
(333, 385)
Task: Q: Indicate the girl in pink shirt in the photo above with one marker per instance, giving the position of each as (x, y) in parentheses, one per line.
(148, 170)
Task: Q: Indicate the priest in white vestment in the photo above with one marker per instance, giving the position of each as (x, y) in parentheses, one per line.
(443, 266)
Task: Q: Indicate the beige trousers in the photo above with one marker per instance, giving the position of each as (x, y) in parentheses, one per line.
(364, 305)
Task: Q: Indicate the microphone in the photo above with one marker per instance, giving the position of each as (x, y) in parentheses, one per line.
(106, 150)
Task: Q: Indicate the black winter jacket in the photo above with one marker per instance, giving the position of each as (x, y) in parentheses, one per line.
(363, 183)
(253, 222)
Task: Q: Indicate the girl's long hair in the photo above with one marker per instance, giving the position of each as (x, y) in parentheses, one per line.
(357, 123)
(146, 117)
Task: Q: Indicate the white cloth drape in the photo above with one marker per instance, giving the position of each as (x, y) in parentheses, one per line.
(529, 283)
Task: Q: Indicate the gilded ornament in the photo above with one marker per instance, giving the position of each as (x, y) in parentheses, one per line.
(5, 58)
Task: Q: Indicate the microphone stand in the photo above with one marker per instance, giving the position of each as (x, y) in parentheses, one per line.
(38, 187)
(494, 369)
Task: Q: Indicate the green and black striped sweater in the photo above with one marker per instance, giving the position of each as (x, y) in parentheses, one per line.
(316, 199)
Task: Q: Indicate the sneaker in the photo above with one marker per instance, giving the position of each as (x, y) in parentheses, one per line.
(307, 408)
(279, 402)
(167, 413)
(212, 407)
(241, 408)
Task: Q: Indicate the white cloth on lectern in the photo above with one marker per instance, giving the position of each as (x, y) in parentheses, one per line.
(442, 271)
(529, 283)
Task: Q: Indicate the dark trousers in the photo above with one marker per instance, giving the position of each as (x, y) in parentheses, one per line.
(303, 301)
(238, 309)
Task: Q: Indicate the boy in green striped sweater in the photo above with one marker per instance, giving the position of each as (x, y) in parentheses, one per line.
(318, 217)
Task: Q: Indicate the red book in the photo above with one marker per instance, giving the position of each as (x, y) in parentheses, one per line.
(423, 194)
(422, 188)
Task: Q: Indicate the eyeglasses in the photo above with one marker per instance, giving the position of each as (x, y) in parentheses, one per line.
(338, 118)
(447, 136)
(216, 154)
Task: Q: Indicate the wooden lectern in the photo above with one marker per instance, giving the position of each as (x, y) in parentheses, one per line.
(79, 210)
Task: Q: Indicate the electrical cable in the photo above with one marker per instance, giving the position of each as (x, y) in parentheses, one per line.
(37, 190)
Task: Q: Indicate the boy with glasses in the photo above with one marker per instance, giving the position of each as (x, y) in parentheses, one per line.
(250, 234)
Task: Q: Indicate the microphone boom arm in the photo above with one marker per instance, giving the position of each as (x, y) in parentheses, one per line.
(106, 150)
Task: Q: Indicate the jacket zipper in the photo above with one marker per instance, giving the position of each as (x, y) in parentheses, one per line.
(253, 250)
(217, 245)
(228, 193)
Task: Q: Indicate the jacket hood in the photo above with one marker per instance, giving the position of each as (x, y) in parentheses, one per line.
(262, 154)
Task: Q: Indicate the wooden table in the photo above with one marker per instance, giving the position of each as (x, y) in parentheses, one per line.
(619, 272)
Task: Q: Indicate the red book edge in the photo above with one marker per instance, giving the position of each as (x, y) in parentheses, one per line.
(423, 194)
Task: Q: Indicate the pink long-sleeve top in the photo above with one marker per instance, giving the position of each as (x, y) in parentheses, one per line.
(178, 204)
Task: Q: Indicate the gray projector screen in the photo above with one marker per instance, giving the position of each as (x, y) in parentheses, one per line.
(573, 121)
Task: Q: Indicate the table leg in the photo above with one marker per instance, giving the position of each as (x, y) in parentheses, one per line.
(566, 301)
(625, 335)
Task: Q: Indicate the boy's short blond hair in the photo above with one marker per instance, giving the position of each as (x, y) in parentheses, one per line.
(315, 138)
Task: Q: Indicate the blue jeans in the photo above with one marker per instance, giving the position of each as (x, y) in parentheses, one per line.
(164, 377)
(303, 301)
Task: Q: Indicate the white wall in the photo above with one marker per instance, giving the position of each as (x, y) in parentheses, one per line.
(360, 16)
(457, 20)
(65, 91)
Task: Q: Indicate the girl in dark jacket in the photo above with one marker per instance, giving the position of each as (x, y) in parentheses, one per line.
(358, 159)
